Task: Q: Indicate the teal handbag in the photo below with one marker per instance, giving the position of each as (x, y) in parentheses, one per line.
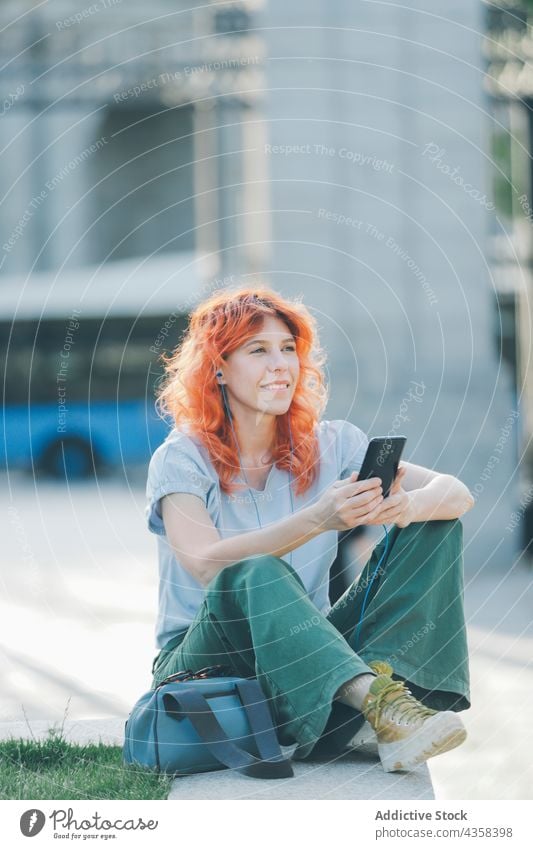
(202, 721)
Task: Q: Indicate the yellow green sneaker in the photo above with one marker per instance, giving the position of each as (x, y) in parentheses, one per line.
(408, 732)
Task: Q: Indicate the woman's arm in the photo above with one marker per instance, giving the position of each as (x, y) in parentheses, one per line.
(445, 497)
(420, 494)
(202, 551)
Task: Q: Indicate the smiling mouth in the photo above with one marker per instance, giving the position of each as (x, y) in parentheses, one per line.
(275, 386)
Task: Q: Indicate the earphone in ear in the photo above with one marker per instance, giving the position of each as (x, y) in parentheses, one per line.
(224, 396)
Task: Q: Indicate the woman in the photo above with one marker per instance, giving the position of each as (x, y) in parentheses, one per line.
(247, 496)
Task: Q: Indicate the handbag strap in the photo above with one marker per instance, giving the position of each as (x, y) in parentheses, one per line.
(259, 719)
(195, 707)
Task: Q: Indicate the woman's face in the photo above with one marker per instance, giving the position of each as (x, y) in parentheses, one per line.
(263, 373)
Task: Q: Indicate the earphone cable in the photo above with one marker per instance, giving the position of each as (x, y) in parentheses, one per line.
(358, 626)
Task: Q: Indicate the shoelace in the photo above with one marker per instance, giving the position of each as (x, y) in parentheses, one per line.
(404, 705)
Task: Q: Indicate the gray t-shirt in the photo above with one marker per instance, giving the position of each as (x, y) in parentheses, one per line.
(182, 464)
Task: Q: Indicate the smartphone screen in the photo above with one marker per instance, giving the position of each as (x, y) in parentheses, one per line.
(382, 459)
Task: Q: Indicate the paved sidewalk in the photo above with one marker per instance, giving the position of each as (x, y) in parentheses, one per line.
(353, 776)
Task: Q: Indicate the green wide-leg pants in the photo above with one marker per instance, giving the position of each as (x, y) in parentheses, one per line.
(257, 618)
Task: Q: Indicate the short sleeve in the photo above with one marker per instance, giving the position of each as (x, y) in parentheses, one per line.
(352, 445)
(176, 466)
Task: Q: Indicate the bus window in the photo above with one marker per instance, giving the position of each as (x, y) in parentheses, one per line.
(90, 390)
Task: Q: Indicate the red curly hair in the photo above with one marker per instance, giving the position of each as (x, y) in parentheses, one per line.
(190, 394)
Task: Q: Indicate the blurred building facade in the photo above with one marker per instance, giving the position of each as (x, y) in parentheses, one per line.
(381, 171)
(125, 129)
(339, 151)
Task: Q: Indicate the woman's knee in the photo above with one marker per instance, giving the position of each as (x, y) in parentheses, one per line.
(264, 568)
(261, 562)
(437, 543)
(449, 530)
(435, 527)
(262, 573)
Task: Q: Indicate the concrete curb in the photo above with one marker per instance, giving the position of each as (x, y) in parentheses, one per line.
(354, 775)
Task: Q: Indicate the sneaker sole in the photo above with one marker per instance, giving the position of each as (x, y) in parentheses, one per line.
(438, 734)
(365, 740)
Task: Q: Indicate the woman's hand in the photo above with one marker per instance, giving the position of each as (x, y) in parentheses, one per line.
(348, 503)
(397, 507)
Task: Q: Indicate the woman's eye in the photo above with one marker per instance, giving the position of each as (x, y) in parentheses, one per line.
(287, 348)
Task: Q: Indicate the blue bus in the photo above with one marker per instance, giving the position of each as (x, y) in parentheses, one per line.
(81, 361)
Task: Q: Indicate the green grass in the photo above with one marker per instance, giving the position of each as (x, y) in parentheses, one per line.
(53, 768)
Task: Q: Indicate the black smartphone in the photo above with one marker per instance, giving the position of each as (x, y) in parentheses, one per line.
(382, 459)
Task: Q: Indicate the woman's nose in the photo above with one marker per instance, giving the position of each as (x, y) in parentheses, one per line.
(277, 361)
(277, 364)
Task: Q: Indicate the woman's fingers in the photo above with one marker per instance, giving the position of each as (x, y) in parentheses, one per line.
(367, 506)
(365, 495)
(391, 512)
(392, 504)
(386, 509)
(350, 488)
